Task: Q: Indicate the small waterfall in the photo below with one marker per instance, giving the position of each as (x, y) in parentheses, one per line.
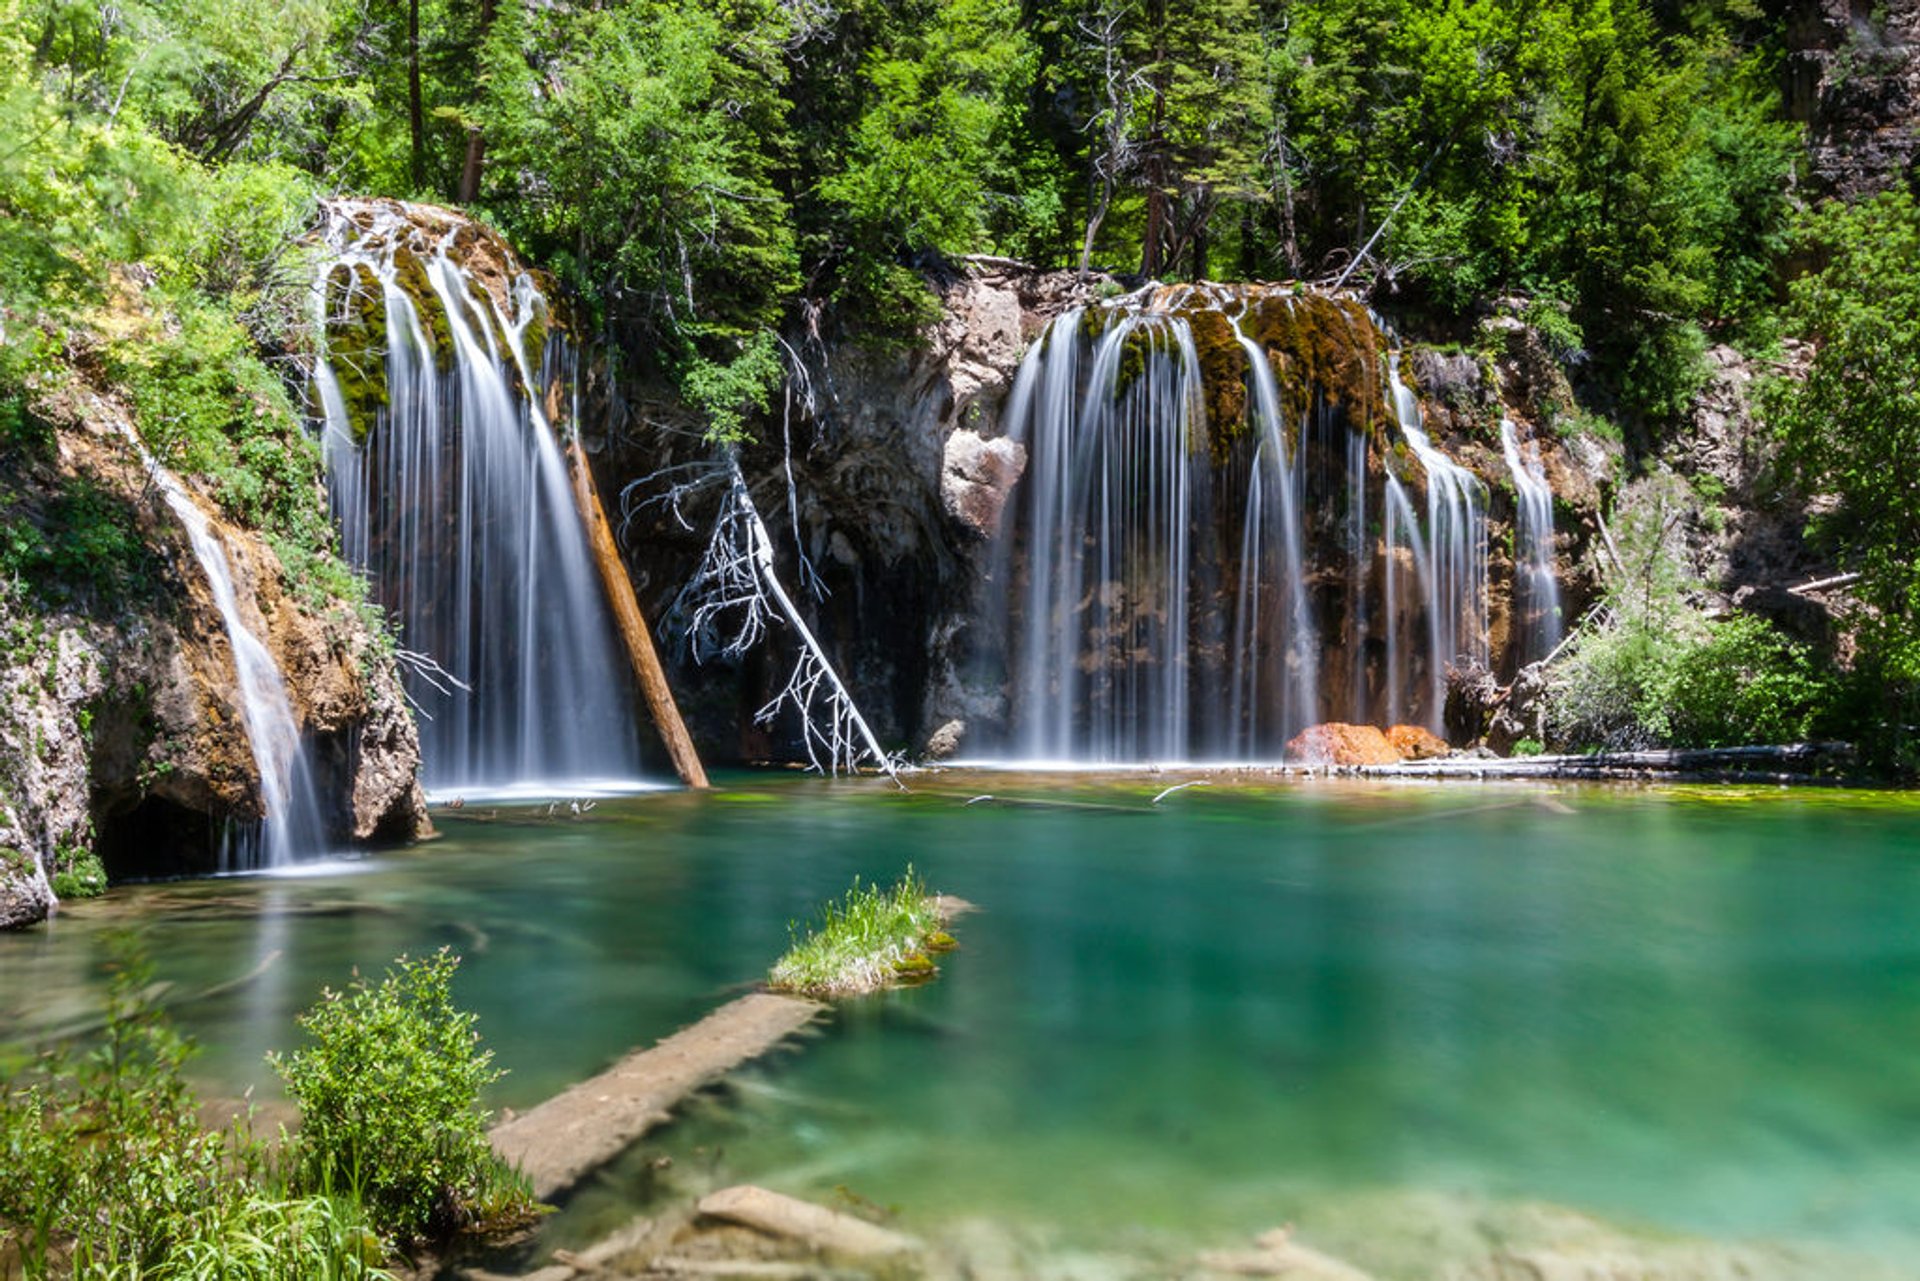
(1280, 694)
(452, 495)
(1455, 573)
(291, 825)
(1536, 592)
(1402, 594)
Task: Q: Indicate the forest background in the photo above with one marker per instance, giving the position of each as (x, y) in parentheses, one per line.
(706, 176)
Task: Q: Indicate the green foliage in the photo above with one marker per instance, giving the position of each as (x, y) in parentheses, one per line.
(657, 159)
(105, 1171)
(1850, 430)
(1651, 671)
(861, 943)
(389, 1098)
(206, 405)
(77, 544)
(1743, 682)
(727, 393)
(78, 874)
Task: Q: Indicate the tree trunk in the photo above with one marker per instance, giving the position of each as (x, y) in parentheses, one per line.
(1094, 220)
(1157, 219)
(469, 189)
(416, 111)
(632, 625)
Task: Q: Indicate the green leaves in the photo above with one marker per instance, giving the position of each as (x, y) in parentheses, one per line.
(1851, 431)
(389, 1098)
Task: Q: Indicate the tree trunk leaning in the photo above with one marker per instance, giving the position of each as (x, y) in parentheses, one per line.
(633, 624)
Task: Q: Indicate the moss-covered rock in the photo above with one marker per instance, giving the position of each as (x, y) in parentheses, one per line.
(356, 339)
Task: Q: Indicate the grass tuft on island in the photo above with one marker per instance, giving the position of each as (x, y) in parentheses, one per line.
(873, 938)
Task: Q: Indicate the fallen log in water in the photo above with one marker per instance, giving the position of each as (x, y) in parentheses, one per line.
(633, 625)
(1789, 763)
(581, 1129)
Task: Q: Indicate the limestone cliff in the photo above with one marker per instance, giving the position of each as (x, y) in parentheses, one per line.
(121, 739)
(902, 469)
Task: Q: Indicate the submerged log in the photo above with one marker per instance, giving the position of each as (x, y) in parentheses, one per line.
(560, 1142)
(814, 1226)
(633, 624)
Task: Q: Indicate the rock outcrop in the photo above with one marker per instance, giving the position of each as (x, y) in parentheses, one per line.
(122, 742)
(1853, 72)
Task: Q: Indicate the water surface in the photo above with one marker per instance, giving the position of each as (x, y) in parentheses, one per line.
(1691, 1011)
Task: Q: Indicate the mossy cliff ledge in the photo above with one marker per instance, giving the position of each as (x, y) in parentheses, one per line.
(123, 749)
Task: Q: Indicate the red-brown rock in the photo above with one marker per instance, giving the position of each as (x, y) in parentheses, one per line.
(1337, 743)
(1416, 744)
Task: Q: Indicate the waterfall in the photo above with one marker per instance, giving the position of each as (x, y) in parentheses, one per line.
(452, 495)
(1455, 573)
(1233, 524)
(1536, 592)
(291, 824)
(1279, 695)
(1105, 628)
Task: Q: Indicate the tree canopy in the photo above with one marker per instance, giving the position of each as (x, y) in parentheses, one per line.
(703, 172)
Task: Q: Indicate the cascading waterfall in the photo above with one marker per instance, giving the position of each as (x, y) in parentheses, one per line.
(291, 825)
(1536, 591)
(1212, 548)
(1280, 680)
(1115, 480)
(454, 499)
(1456, 563)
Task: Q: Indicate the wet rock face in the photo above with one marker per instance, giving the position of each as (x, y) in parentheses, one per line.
(121, 732)
(1853, 72)
(25, 896)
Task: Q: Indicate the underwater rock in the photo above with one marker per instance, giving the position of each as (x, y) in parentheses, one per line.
(1337, 743)
(1278, 1255)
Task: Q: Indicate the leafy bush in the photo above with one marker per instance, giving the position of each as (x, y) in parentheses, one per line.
(80, 874)
(1737, 681)
(863, 942)
(389, 1098)
(1744, 683)
(104, 1169)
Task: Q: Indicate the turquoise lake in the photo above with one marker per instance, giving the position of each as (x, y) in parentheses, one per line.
(1691, 1011)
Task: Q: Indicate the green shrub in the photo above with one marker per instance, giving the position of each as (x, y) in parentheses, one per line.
(78, 874)
(389, 1098)
(1733, 682)
(1744, 683)
(1529, 747)
(105, 1170)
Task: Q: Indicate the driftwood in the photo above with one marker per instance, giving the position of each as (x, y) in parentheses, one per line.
(632, 624)
(1788, 763)
(1825, 584)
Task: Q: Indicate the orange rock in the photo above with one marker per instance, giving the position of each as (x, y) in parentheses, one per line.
(1337, 743)
(1416, 744)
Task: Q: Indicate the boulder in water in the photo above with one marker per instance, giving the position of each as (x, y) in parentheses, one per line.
(1338, 743)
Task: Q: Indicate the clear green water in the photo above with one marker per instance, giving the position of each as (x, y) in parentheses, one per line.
(1694, 1011)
